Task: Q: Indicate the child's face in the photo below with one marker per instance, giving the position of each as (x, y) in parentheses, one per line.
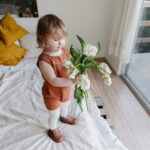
(56, 41)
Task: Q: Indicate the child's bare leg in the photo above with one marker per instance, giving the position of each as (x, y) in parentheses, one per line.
(64, 114)
(53, 132)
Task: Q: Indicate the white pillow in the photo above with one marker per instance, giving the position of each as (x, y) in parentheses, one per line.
(28, 41)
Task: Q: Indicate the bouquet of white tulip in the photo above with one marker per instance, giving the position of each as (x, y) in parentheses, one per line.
(80, 61)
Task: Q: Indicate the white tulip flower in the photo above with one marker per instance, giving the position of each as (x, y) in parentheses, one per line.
(83, 82)
(90, 50)
(67, 63)
(104, 68)
(107, 79)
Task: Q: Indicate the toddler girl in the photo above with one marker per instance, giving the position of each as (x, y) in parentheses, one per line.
(51, 37)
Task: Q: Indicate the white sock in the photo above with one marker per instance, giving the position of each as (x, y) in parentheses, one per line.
(64, 108)
(53, 118)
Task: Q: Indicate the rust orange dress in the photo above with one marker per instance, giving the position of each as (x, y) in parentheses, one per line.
(53, 96)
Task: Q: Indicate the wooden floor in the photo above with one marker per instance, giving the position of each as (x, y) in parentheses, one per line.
(131, 121)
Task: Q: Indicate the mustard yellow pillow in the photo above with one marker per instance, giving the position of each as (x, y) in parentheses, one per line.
(10, 55)
(10, 31)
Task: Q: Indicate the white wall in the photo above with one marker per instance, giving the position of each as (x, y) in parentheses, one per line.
(91, 19)
(88, 18)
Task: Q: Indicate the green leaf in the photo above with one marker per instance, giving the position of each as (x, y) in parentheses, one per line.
(86, 98)
(82, 58)
(82, 43)
(88, 62)
(78, 94)
(74, 52)
(95, 65)
(73, 60)
(99, 47)
(81, 68)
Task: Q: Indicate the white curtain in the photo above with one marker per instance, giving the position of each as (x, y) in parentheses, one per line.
(122, 44)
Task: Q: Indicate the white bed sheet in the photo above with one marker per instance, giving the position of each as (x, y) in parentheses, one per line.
(23, 116)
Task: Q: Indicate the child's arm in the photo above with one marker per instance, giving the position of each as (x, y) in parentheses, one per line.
(50, 76)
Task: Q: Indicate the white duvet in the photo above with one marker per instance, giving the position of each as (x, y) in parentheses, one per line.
(23, 116)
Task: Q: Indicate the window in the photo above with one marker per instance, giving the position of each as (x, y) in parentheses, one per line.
(138, 70)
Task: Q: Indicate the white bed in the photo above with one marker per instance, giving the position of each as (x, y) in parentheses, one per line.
(23, 116)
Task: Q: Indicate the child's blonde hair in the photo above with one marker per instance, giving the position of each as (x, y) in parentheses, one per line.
(49, 25)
